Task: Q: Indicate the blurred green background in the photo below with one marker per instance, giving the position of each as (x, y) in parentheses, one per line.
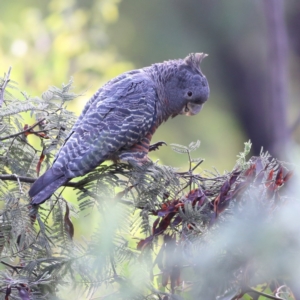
(46, 42)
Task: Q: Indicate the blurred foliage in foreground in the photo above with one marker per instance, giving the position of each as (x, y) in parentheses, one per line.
(160, 233)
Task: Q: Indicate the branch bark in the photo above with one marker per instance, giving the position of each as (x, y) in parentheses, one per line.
(78, 185)
(13, 177)
(24, 131)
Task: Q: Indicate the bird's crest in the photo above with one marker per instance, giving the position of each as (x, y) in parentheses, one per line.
(194, 59)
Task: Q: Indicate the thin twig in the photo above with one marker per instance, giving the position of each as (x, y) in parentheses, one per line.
(190, 161)
(113, 266)
(15, 268)
(24, 131)
(77, 185)
(3, 87)
(9, 148)
(49, 213)
(263, 294)
(19, 183)
(188, 173)
(13, 177)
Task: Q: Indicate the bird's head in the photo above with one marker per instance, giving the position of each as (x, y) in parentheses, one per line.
(188, 88)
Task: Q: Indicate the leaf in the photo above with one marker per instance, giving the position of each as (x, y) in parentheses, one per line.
(239, 189)
(179, 148)
(250, 172)
(69, 227)
(234, 177)
(166, 208)
(194, 145)
(241, 161)
(7, 292)
(47, 96)
(197, 160)
(143, 244)
(121, 194)
(164, 223)
(16, 109)
(176, 221)
(41, 159)
(279, 177)
(219, 203)
(154, 225)
(63, 94)
(269, 179)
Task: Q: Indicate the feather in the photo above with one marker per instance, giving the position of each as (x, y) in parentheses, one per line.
(45, 186)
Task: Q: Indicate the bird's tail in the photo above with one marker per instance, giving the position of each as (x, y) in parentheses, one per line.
(46, 185)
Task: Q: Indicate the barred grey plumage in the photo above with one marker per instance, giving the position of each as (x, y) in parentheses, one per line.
(119, 120)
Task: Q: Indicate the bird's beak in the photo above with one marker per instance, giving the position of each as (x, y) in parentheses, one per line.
(191, 109)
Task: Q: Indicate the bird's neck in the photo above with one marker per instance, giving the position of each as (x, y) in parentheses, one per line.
(160, 73)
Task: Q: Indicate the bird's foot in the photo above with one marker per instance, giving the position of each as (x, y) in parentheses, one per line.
(155, 146)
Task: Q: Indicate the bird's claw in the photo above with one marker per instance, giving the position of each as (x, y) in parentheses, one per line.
(155, 146)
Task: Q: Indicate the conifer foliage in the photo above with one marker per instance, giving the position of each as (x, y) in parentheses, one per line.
(158, 233)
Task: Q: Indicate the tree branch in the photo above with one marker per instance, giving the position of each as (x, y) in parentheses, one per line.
(13, 177)
(6, 80)
(15, 268)
(24, 131)
(78, 184)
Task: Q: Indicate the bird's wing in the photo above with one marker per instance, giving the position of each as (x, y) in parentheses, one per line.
(96, 98)
(123, 115)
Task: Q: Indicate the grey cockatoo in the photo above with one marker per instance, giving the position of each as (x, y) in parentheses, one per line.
(119, 120)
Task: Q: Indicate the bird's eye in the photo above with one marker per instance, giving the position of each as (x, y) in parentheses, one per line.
(190, 94)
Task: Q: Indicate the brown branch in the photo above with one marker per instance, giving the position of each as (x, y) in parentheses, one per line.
(13, 177)
(15, 268)
(189, 173)
(6, 80)
(24, 131)
(78, 185)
